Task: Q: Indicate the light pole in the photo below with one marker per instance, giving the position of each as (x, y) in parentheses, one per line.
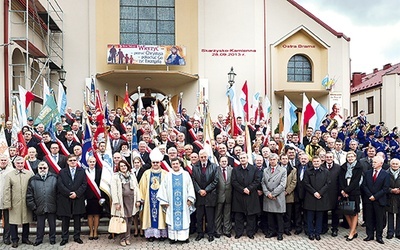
(61, 77)
(231, 77)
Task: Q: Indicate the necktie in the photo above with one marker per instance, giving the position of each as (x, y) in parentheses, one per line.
(43, 177)
(329, 166)
(272, 170)
(224, 173)
(203, 169)
(55, 158)
(338, 157)
(370, 162)
(73, 173)
(302, 173)
(375, 175)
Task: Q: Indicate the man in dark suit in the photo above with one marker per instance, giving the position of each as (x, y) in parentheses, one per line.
(205, 180)
(245, 202)
(144, 155)
(223, 221)
(307, 137)
(69, 142)
(29, 140)
(262, 217)
(116, 142)
(77, 131)
(71, 186)
(299, 213)
(60, 132)
(55, 157)
(333, 193)
(375, 185)
(8, 132)
(179, 128)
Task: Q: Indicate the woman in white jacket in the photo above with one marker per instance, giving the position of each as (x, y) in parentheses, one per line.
(125, 197)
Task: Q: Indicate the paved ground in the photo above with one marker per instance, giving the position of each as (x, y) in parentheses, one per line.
(289, 242)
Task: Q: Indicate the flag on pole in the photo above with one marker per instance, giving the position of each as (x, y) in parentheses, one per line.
(139, 106)
(107, 171)
(48, 111)
(290, 117)
(46, 91)
(25, 96)
(325, 81)
(245, 101)
(179, 109)
(99, 135)
(92, 94)
(126, 107)
(21, 113)
(87, 148)
(61, 99)
(307, 113)
(320, 112)
(3, 142)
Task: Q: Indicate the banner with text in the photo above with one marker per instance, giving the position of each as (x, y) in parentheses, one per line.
(146, 54)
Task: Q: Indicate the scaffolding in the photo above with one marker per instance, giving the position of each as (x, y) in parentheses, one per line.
(38, 32)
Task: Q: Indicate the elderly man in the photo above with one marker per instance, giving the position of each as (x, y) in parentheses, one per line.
(71, 186)
(245, 202)
(177, 196)
(15, 187)
(273, 184)
(41, 198)
(375, 186)
(5, 168)
(205, 180)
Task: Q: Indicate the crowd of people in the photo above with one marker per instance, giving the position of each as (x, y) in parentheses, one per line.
(172, 185)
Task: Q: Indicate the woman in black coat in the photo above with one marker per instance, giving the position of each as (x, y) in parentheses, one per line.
(349, 182)
(138, 170)
(93, 208)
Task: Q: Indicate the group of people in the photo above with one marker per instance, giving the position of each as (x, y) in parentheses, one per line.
(173, 185)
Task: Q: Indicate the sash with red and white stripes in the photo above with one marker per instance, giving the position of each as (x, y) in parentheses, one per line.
(165, 166)
(236, 162)
(93, 186)
(219, 125)
(27, 165)
(198, 144)
(98, 159)
(76, 138)
(148, 149)
(252, 127)
(63, 149)
(188, 166)
(176, 131)
(53, 164)
(70, 117)
(37, 136)
(192, 134)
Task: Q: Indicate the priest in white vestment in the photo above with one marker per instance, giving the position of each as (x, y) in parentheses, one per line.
(177, 196)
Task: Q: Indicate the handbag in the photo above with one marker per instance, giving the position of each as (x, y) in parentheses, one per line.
(117, 225)
(346, 207)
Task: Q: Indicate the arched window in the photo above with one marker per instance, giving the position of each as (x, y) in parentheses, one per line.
(299, 69)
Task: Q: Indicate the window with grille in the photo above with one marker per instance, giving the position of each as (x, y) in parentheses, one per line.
(299, 69)
(149, 22)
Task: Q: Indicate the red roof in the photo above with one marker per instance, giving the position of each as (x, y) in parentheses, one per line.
(373, 79)
(319, 21)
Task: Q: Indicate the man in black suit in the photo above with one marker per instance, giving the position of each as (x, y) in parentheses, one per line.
(299, 213)
(375, 185)
(333, 193)
(8, 132)
(55, 159)
(245, 201)
(29, 140)
(116, 142)
(142, 146)
(366, 162)
(205, 180)
(69, 142)
(75, 128)
(71, 186)
(307, 137)
(60, 132)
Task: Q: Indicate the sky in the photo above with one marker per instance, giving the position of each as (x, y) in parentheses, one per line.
(372, 25)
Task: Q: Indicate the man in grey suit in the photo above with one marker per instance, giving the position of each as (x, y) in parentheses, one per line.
(223, 223)
(273, 184)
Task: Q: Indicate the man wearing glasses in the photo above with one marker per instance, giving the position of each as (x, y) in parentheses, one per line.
(71, 186)
(41, 198)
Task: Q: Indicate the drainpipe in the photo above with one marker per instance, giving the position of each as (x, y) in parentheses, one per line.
(6, 68)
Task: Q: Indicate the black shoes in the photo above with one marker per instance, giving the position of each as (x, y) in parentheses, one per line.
(14, 245)
(79, 241)
(238, 236)
(37, 243)
(199, 237)
(228, 235)
(297, 232)
(317, 237)
(368, 238)
(280, 237)
(217, 236)
(389, 237)
(287, 232)
(210, 238)
(380, 241)
(311, 237)
(27, 242)
(334, 233)
(63, 242)
(251, 237)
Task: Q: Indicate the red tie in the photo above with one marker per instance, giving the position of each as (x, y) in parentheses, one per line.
(203, 169)
(224, 173)
(272, 170)
(375, 175)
